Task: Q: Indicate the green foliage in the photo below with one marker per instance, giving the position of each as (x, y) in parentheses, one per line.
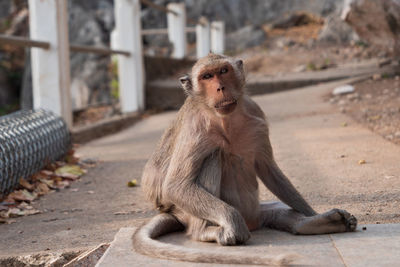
(114, 83)
(115, 88)
(327, 61)
(311, 66)
(4, 110)
(361, 44)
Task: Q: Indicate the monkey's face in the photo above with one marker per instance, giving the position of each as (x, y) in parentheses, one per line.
(220, 87)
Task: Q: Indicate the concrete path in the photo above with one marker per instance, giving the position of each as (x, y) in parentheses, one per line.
(312, 147)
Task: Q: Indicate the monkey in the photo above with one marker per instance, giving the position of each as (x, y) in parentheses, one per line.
(202, 177)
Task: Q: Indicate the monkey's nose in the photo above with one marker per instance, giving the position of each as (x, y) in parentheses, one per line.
(222, 88)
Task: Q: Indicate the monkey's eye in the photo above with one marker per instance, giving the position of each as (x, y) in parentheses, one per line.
(206, 76)
(224, 70)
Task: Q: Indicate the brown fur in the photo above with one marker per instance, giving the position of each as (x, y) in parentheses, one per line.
(202, 176)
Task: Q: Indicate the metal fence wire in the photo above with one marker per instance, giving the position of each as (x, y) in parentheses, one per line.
(29, 140)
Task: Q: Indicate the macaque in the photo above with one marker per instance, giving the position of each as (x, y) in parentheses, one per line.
(202, 176)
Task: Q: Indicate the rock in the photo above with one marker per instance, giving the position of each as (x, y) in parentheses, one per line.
(336, 31)
(376, 76)
(297, 19)
(5, 8)
(300, 68)
(246, 37)
(389, 137)
(397, 134)
(237, 13)
(353, 97)
(283, 42)
(377, 22)
(344, 89)
(90, 23)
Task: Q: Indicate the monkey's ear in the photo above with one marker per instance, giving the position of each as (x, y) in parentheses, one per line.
(239, 63)
(186, 83)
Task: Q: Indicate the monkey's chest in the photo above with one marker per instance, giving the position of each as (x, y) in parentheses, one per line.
(239, 186)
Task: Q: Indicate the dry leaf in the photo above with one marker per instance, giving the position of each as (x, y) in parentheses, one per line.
(132, 183)
(4, 214)
(362, 161)
(71, 159)
(25, 184)
(22, 195)
(47, 172)
(69, 170)
(69, 176)
(15, 212)
(24, 205)
(62, 184)
(3, 208)
(42, 189)
(49, 183)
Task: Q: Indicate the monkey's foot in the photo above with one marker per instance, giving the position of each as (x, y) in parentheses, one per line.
(230, 237)
(343, 217)
(333, 221)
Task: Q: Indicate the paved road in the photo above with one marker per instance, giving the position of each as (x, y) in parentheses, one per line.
(308, 139)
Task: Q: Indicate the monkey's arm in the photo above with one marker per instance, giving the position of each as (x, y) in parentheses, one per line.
(182, 189)
(274, 179)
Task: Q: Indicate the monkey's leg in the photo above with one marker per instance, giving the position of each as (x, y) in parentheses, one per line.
(279, 216)
(215, 234)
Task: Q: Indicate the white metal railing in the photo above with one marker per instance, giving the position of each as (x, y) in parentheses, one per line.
(50, 48)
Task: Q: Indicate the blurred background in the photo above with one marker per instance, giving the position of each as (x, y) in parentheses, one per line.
(274, 37)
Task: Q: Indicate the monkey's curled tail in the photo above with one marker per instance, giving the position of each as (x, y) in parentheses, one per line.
(144, 243)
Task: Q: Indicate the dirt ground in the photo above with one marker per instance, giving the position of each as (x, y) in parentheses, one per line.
(375, 103)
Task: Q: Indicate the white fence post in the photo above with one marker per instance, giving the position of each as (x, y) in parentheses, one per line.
(176, 29)
(128, 37)
(218, 37)
(50, 68)
(203, 43)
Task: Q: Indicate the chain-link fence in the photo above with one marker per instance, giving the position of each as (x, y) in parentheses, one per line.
(28, 141)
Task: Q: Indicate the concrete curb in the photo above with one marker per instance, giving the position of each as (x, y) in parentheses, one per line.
(86, 133)
(376, 246)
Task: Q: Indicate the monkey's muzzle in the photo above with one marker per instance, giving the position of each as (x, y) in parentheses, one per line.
(226, 106)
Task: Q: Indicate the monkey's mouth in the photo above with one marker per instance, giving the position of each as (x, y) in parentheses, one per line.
(226, 106)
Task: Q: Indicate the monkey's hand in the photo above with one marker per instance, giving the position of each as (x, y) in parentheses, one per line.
(233, 230)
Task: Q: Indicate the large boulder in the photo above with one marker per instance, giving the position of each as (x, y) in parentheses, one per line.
(237, 13)
(337, 31)
(377, 22)
(90, 23)
(246, 37)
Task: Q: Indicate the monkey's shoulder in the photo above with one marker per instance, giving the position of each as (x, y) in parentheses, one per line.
(252, 108)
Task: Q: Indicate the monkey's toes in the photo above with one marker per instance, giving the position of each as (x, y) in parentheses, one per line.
(351, 223)
(348, 220)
